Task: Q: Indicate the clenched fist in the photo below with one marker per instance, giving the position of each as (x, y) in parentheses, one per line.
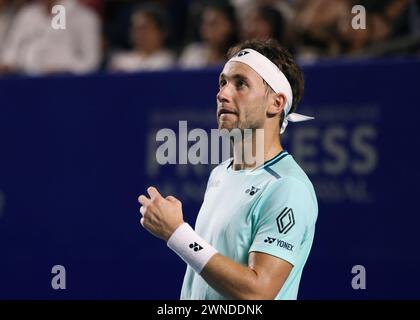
(160, 216)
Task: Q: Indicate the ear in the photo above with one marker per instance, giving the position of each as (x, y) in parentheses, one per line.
(276, 106)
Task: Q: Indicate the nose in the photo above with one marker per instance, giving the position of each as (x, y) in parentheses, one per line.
(224, 94)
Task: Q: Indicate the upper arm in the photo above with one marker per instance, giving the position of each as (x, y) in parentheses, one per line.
(271, 273)
(281, 223)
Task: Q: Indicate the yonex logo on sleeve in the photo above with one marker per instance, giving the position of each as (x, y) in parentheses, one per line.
(269, 240)
(285, 220)
(279, 243)
(195, 246)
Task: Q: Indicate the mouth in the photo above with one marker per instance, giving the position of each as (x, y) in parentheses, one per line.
(224, 111)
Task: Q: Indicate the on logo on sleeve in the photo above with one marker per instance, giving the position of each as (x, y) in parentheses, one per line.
(285, 220)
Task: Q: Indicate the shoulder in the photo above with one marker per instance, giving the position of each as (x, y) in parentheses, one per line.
(29, 10)
(289, 174)
(124, 61)
(194, 55)
(220, 168)
(195, 48)
(288, 192)
(82, 14)
(165, 56)
(287, 187)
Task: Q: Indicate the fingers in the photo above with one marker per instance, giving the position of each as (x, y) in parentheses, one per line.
(142, 221)
(144, 200)
(153, 193)
(171, 199)
(142, 210)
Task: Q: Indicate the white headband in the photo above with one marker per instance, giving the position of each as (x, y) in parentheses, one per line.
(274, 78)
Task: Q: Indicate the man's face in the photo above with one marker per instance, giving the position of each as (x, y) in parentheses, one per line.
(242, 98)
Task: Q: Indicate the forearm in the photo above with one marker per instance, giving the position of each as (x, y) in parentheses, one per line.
(233, 280)
(229, 278)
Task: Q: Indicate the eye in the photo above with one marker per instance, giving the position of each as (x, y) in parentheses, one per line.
(222, 82)
(241, 83)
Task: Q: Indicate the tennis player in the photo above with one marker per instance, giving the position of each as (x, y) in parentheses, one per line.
(256, 225)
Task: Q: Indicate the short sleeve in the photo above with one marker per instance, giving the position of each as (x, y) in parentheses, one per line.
(281, 219)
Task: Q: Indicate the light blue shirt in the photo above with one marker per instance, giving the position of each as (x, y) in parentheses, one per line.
(270, 209)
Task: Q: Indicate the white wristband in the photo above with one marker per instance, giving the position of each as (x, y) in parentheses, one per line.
(194, 250)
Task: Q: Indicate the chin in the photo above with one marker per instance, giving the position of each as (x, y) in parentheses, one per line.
(227, 125)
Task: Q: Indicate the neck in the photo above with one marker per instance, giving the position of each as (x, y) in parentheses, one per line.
(147, 51)
(262, 151)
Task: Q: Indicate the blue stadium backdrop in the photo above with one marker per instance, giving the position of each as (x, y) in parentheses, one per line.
(75, 152)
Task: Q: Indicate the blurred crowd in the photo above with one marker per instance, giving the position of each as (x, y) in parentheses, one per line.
(135, 35)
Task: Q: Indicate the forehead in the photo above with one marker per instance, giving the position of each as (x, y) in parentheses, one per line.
(235, 68)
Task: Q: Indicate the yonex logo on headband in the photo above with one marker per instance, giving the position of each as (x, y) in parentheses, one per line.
(242, 53)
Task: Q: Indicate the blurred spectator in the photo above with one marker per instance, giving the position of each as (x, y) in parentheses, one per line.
(33, 46)
(8, 10)
(264, 22)
(6, 15)
(386, 20)
(325, 27)
(284, 7)
(414, 17)
(148, 34)
(96, 5)
(315, 28)
(391, 29)
(316, 24)
(218, 31)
